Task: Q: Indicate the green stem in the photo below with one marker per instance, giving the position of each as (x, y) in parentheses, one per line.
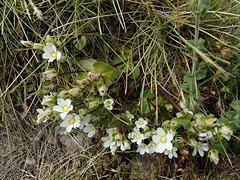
(196, 36)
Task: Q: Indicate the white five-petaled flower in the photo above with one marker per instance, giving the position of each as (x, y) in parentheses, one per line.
(129, 115)
(108, 104)
(142, 148)
(84, 120)
(90, 129)
(171, 153)
(162, 140)
(64, 106)
(141, 123)
(51, 53)
(184, 110)
(199, 147)
(71, 121)
(137, 137)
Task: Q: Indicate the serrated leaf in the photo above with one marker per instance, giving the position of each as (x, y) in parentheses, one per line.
(79, 44)
(87, 65)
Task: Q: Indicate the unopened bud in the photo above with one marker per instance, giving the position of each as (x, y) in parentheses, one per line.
(126, 145)
(38, 47)
(50, 74)
(211, 122)
(63, 59)
(225, 132)
(93, 104)
(213, 156)
(75, 91)
(48, 100)
(94, 76)
(49, 39)
(84, 82)
(102, 90)
(113, 149)
(63, 94)
(28, 44)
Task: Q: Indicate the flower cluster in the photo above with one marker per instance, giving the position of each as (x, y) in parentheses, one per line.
(86, 105)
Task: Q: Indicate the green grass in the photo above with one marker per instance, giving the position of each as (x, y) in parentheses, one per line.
(152, 36)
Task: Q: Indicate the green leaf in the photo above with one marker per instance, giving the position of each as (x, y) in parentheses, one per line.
(235, 105)
(185, 120)
(223, 120)
(188, 78)
(87, 65)
(102, 67)
(115, 121)
(135, 73)
(205, 6)
(186, 87)
(79, 44)
(107, 77)
(200, 75)
(219, 146)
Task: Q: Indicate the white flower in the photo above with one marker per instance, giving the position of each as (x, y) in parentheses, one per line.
(199, 147)
(93, 104)
(171, 153)
(43, 115)
(108, 104)
(162, 140)
(152, 147)
(169, 107)
(71, 121)
(27, 44)
(84, 120)
(142, 148)
(129, 115)
(182, 105)
(141, 123)
(82, 111)
(213, 156)
(225, 132)
(108, 141)
(90, 129)
(211, 122)
(137, 137)
(64, 106)
(51, 53)
(184, 110)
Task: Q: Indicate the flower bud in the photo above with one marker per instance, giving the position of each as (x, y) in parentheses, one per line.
(82, 111)
(94, 76)
(102, 90)
(205, 135)
(63, 94)
(113, 149)
(48, 100)
(75, 91)
(28, 44)
(213, 156)
(84, 82)
(44, 115)
(50, 74)
(93, 104)
(174, 123)
(126, 145)
(49, 39)
(38, 47)
(199, 123)
(211, 122)
(148, 135)
(169, 107)
(63, 59)
(225, 132)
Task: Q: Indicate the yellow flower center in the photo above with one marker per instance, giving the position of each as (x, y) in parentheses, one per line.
(163, 139)
(72, 121)
(53, 54)
(153, 145)
(65, 108)
(81, 118)
(92, 128)
(138, 136)
(141, 123)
